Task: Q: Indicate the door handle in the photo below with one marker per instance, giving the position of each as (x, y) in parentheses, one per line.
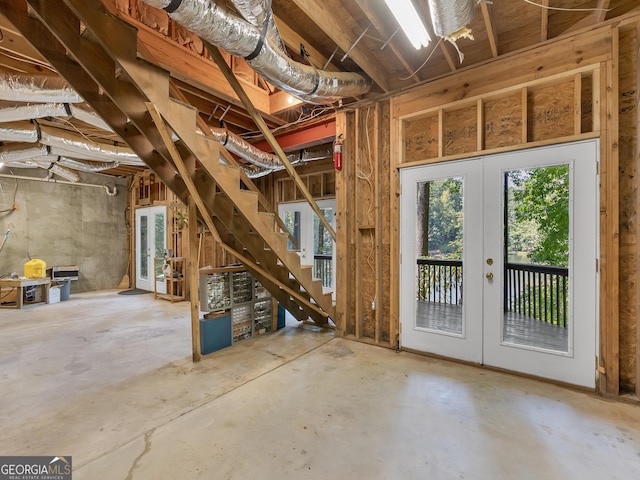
(489, 276)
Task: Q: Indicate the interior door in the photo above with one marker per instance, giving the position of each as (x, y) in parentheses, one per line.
(150, 243)
(498, 261)
(314, 243)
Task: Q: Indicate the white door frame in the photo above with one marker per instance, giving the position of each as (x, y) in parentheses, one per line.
(147, 282)
(484, 203)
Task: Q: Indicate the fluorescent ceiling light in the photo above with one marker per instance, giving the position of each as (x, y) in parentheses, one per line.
(409, 20)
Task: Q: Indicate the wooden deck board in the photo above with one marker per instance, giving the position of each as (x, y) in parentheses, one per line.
(518, 329)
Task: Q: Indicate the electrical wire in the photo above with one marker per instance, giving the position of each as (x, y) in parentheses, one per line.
(425, 62)
(367, 178)
(24, 60)
(561, 9)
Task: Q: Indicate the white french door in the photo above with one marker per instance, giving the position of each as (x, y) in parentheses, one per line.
(150, 243)
(498, 261)
(314, 243)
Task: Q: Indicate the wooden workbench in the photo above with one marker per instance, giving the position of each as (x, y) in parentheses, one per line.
(20, 284)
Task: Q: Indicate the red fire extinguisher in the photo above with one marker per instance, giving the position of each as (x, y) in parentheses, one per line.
(337, 153)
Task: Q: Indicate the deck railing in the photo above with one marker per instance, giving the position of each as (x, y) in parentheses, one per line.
(535, 291)
(440, 281)
(538, 292)
(323, 269)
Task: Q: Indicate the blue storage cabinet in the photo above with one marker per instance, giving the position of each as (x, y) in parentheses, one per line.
(281, 317)
(215, 333)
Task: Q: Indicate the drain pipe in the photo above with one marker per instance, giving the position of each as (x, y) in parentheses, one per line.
(110, 193)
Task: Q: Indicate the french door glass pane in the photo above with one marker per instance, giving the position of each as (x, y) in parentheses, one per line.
(439, 244)
(323, 248)
(143, 266)
(292, 222)
(536, 272)
(159, 240)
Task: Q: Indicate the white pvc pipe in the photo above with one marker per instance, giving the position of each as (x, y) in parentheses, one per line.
(49, 180)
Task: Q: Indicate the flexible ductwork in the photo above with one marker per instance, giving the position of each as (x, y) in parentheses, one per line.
(40, 89)
(10, 155)
(29, 112)
(92, 167)
(21, 157)
(244, 149)
(23, 133)
(224, 29)
(46, 163)
(451, 16)
(256, 12)
(66, 144)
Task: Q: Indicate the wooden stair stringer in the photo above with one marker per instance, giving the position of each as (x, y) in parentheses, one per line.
(153, 84)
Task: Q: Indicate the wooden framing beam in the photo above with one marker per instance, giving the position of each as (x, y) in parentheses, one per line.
(601, 12)
(637, 206)
(219, 59)
(293, 40)
(367, 8)
(193, 270)
(609, 364)
(487, 15)
(177, 93)
(544, 20)
(329, 21)
(204, 213)
(185, 64)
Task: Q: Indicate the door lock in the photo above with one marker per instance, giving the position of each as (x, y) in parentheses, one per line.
(489, 261)
(489, 276)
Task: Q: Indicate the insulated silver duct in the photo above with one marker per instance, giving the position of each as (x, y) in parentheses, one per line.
(46, 163)
(244, 149)
(451, 16)
(21, 157)
(29, 112)
(15, 132)
(223, 28)
(66, 144)
(41, 89)
(9, 155)
(43, 110)
(256, 13)
(86, 167)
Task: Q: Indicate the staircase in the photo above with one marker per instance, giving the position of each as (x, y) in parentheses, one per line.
(104, 68)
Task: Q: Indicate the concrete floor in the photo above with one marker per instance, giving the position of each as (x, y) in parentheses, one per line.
(107, 379)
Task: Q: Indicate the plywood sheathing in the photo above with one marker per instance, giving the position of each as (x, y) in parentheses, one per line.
(629, 293)
(550, 111)
(503, 121)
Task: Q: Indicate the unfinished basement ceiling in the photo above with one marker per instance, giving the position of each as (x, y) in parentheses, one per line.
(357, 37)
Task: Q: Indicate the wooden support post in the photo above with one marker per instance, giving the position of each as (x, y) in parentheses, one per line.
(377, 242)
(480, 127)
(609, 249)
(577, 104)
(192, 269)
(264, 129)
(525, 115)
(396, 157)
(440, 133)
(636, 152)
(344, 189)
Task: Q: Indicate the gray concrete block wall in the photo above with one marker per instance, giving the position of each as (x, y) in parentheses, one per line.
(66, 225)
